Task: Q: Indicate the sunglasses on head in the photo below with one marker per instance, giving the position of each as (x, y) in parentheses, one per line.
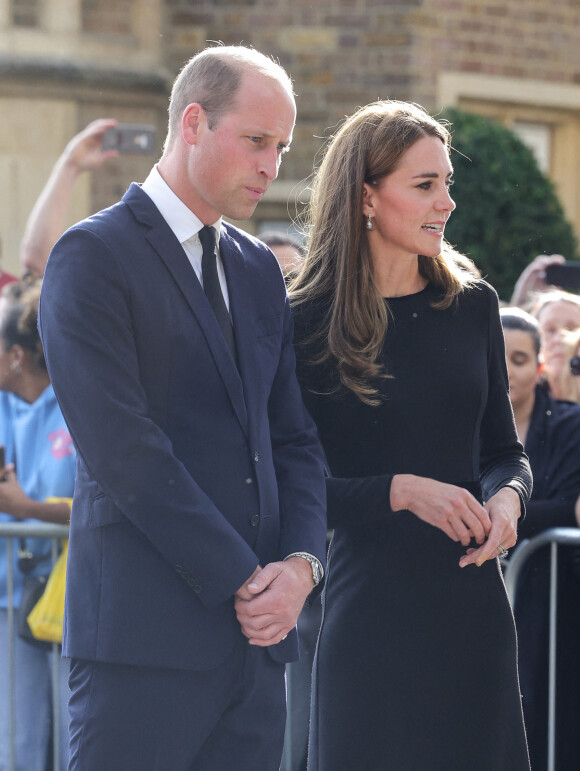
(575, 365)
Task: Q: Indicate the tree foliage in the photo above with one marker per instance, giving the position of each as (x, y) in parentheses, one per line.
(507, 209)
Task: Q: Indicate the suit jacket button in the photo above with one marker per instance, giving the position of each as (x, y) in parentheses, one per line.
(254, 520)
(194, 585)
(256, 456)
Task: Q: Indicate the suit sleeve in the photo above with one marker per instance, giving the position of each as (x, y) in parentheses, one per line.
(88, 334)
(298, 458)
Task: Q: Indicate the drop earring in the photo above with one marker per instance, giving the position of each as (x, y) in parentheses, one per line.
(369, 222)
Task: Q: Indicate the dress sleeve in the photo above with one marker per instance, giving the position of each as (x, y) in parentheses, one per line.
(503, 462)
(358, 501)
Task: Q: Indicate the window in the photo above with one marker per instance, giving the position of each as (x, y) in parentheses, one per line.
(111, 17)
(25, 13)
(537, 136)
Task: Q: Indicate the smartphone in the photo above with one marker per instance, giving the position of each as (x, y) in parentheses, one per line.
(130, 138)
(2, 462)
(565, 275)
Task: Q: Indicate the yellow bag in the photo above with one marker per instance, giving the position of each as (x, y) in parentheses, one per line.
(45, 619)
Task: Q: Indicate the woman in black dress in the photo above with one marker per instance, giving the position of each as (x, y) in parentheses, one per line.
(401, 359)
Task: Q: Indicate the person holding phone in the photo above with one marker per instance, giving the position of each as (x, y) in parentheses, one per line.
(39, 463)
(534, 279)
(46, 221)
(401, 360)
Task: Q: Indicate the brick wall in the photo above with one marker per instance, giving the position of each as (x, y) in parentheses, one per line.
(528, 39)
(344, 53)
(340, 53)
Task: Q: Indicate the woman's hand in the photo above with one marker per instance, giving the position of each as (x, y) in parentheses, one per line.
(452, 509)
(504, 511)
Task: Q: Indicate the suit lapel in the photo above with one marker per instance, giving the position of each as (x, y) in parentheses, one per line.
(170, 251)
(241, 308)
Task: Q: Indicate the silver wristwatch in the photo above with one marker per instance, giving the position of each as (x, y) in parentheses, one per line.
(315, 564)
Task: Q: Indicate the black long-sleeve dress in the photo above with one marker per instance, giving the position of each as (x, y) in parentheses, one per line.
(416, 663)
(553, 447)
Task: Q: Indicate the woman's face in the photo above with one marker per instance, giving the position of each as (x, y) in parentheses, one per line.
(555, 320)
(522, 365)
(411, 206)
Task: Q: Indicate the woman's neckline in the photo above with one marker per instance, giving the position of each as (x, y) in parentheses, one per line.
(411, 294)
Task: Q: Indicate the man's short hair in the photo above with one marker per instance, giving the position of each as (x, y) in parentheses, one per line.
(212, 79)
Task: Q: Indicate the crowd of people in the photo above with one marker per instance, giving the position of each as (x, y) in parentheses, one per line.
(222, 404)
(39, 467)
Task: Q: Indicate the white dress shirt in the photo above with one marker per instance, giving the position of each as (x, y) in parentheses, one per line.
(184, 224)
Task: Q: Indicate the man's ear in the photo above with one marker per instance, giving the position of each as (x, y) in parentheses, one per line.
(192, 121)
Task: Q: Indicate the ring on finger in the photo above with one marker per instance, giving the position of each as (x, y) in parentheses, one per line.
(502, 552)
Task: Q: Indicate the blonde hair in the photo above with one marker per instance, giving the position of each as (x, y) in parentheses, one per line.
(338, 268)
(542, 299)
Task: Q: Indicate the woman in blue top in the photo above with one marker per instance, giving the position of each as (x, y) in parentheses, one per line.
(40, 464)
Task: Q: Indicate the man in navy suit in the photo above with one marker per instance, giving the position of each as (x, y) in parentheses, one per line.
(198, 526)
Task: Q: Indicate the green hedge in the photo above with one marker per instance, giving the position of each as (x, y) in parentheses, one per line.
(507, 209)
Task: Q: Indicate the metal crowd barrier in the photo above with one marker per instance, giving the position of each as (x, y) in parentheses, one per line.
(11, 531)
(554, 537)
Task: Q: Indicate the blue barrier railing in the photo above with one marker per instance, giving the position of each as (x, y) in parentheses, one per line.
(9, 532)
(552, 538)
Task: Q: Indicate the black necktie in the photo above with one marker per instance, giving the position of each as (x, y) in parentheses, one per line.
(212, 288)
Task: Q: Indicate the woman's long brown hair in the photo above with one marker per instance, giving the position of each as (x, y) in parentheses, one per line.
(338, 270)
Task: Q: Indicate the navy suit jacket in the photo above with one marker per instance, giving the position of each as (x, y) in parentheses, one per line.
(190, 472)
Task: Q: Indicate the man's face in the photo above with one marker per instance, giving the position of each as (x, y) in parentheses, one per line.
(231, 167)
